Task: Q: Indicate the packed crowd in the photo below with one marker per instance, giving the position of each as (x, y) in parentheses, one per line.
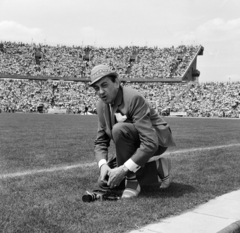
(197, 100)
(206, 100)
(77, 62)
(19, 95)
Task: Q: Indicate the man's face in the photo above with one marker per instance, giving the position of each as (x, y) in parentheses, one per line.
(106, 89)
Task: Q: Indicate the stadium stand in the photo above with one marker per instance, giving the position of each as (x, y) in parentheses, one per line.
(75, 63)
(197, 100)
(37, 78)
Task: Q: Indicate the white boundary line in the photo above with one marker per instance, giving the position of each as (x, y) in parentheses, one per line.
(52, 169)
(207, 118)
(178, 152)
(83, 165)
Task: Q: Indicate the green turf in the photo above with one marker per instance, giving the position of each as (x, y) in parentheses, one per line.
(51, 202)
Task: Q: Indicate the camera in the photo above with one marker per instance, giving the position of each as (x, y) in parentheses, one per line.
(100, 195)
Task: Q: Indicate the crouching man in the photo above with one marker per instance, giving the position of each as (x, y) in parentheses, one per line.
(140, 136)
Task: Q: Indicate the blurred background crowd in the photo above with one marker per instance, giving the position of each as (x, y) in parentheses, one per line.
(23, 95)
(197, 100)
(77, 62)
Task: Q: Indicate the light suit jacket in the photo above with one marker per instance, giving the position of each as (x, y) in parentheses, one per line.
(152, 129)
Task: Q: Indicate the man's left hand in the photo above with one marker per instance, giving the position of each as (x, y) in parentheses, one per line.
(116, 176)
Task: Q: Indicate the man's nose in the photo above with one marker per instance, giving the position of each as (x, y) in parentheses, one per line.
(101, 91)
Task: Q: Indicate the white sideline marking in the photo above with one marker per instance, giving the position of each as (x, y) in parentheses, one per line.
(53, 169)
(205, 148)
(194, 150)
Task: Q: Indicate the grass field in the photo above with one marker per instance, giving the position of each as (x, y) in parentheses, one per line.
(51, 201)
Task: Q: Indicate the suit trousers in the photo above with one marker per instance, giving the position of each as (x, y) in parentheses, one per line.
(127, 141)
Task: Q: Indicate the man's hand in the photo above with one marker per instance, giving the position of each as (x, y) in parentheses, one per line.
(104, 171)
(116, 176)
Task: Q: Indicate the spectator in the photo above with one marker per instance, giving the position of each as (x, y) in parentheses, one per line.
(38, 56)
(85, 109)
(1, 47)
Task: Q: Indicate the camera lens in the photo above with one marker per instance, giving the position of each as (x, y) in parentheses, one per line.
(87, 198)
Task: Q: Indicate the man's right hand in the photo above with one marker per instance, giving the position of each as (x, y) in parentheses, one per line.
(104, 170)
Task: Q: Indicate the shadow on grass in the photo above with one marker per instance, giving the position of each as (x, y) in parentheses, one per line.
(175, 190)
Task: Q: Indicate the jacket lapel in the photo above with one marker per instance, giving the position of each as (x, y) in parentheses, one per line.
(110, 118)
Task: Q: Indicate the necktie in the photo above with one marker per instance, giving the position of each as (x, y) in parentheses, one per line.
(111, 116)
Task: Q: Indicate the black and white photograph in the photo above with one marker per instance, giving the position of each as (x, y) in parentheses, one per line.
(120, 116)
